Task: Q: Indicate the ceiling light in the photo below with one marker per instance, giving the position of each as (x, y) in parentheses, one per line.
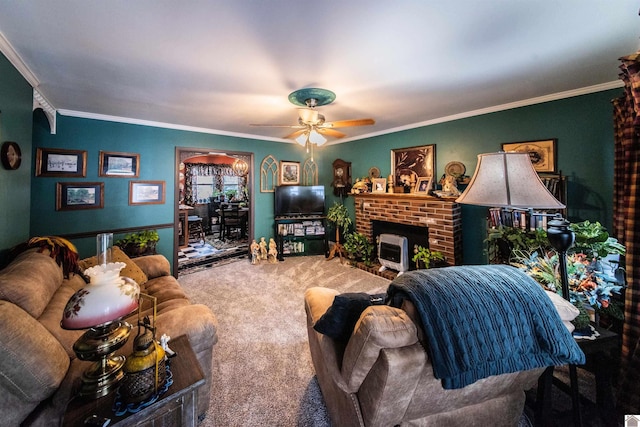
(316, 138)
(302, 139)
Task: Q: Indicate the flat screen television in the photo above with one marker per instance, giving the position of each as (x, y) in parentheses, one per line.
(299, 200)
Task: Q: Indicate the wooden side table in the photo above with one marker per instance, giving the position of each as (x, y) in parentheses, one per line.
(602, 355)
(176, 407)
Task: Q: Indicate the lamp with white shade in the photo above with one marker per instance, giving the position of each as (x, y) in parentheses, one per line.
(99, 307)
(508, 180)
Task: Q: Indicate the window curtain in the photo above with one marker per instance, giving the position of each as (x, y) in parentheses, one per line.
(626, 224)
(193, 170)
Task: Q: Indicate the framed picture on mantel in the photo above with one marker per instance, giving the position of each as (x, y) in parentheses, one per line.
(409, 164)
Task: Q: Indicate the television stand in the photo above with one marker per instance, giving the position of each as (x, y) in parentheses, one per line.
(300, 235)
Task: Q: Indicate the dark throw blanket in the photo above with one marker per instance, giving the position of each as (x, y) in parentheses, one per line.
(485, 320)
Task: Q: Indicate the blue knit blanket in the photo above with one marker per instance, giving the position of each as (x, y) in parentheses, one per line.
(485, 320)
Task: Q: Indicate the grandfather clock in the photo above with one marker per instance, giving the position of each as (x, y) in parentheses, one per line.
(341, 178)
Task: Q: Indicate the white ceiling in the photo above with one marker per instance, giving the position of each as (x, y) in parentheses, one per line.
(218, 66)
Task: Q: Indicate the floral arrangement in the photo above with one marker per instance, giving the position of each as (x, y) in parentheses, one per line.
(588, 284)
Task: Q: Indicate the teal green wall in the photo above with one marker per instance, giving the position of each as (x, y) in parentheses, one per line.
(156, 147)
(583, 126)
(16, 99)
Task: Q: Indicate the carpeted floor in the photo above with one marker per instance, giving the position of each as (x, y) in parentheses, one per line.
(264, 372)
(265, 376)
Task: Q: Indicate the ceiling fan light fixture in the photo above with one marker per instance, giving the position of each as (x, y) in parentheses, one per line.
(308, 115)
(302, 139)
(316, 138)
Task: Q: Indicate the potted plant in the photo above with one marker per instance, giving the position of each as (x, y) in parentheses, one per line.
(358, 247)
(338, 215)
(139, 243)
(426, 258)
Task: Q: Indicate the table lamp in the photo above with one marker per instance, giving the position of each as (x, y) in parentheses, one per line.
(508, 180)
(99, 307)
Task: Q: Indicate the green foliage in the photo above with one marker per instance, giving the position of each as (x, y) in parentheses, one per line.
(582, 320)
(518, 239)
(339, 215)
(358, 247)
(427, 257)
(141, 239)
(593, 240)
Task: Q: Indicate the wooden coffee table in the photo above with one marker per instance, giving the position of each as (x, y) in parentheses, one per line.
(176, 407)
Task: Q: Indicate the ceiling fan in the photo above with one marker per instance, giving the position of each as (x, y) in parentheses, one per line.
(312, 126)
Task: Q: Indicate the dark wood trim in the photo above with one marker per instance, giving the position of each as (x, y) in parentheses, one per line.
(115, 231)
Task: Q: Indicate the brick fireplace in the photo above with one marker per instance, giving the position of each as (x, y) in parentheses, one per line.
(442, 218)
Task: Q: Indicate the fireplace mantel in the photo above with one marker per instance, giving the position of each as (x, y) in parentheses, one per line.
(443, 217)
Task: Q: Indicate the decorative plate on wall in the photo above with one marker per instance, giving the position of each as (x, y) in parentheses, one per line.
(374, 172)
(455, 168)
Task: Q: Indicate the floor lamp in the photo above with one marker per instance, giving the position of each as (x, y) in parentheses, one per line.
(508, 180)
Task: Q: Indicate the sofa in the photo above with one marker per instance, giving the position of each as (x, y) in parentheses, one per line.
(39, 371)
(381, 371)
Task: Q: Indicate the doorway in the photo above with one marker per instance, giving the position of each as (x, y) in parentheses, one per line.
(214, 207)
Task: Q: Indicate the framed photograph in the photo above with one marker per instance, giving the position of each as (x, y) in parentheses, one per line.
(289, 173)
(146, 192)
(379, 185)
(542, 153)
(123, 165)
(79, 195)
(408, 164)
(424, 184)
(61, 163)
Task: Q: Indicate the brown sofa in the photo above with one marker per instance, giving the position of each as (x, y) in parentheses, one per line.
(383, 376)
(38, 368)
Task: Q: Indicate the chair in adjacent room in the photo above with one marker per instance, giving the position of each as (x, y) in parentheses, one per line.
(196, 232)
(234, 222)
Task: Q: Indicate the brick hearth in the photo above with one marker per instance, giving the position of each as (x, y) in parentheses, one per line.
(443, 217)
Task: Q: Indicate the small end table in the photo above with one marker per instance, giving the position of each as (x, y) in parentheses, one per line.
(602, 355)
(176, 407)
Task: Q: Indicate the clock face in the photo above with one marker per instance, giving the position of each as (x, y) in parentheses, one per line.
(339, 172)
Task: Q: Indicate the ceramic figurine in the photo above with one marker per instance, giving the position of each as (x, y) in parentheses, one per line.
(450, 186)
(255, 252)
(263, 248)
(273, 252)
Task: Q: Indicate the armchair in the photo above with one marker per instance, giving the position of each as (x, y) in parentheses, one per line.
(383, 374)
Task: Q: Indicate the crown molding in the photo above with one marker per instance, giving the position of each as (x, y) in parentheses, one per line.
(496, 108)
(17, 62)
(39, 101)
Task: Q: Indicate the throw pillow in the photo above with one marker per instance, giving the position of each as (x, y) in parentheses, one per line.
(339, 320)
(131, 270)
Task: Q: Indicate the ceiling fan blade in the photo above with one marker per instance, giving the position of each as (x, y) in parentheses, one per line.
(295, 134)
(331, 132)
(348, 123)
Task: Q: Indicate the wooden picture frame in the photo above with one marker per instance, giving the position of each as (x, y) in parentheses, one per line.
(378, 185)
(58, 162)
(72, 196)
(146, 192)
(119, 165)
(411, 163)
(289, 173)
(424, 184)
(542, 152)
